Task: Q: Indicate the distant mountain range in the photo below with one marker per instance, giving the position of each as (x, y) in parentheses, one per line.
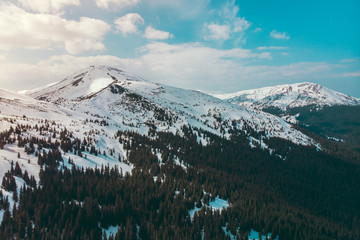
(289, 96)
(331, 114)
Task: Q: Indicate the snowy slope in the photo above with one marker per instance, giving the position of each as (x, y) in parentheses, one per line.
(6, 94)
(124, 101)
(18, 109)
(289, 96)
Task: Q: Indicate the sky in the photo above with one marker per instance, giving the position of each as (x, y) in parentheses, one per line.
(213, 46)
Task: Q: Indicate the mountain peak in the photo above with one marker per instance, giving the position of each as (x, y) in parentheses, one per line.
(83, 84)
(121, 100)
(289, 96)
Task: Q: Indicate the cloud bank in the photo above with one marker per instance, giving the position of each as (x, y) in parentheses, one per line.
(47, 31)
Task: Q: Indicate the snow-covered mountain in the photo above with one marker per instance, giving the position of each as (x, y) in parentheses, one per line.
(289, 96)
(124, 101)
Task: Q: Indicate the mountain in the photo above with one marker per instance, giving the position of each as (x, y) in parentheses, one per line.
(128, 102)
(332, 115)
(289, 96)
(42, 120)
(104, 154)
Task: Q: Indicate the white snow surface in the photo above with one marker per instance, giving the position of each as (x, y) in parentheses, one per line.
(217, 204)
(255, 235)
(289, 96)
(112, 230)
(6, 94)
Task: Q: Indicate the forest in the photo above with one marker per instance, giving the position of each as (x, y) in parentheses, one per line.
(338, 123)
(294, 192)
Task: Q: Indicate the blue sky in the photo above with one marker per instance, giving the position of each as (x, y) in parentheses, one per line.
(214, 46)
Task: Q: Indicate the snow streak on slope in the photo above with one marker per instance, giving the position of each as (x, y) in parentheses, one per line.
(123, 101)
(289, 96)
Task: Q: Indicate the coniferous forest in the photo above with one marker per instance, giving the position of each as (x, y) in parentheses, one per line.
(296, 192)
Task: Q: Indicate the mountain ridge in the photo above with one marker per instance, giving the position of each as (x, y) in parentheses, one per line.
(289, 96)
(126, 100)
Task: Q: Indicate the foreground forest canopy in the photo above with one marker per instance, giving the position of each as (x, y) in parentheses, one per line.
(296, 192)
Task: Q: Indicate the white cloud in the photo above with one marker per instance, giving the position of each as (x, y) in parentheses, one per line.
(45, 31)
(229, 10)
(191, 66)
(351, 74)
(240, 24)
(48, 6)
(185, 65)
(152, 33)
(217, 32)
(279, 35)
(3, 57)
(228, 25)
(350, 60)
(128, 23)
(108, 4)
(272, 48)
(199, 51)
(258, 29)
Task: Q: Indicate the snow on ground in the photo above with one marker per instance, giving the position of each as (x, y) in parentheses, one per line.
(5, 125)
(14, 96)
(28, 162)
(112, 230)
(181, 164)
(217, 204)
(91, 161)
(290, 119)
(228, 233)
(98, 84)
(253, 235)
(193, 211)
(1, 214)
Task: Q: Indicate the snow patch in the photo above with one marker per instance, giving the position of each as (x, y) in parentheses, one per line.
(99, 84)
(217, 204)
(112, 230)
